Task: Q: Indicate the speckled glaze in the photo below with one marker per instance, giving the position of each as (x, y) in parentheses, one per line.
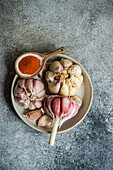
(85, 29)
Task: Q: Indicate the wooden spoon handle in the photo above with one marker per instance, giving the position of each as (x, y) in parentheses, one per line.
(58, 51)
(54, 131)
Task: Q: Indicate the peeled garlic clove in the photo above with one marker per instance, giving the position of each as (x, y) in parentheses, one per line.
(56, 67)
(21, 83)
(64, 91)
(66, 63)
(38, 104)
(75, 70)
(77, 99)
(56, 106)
(29, 84)
(45, 121)
(49, 76)
(54, 87)
(32, 106)
(38, 86)
(66, 102)
(35, 114)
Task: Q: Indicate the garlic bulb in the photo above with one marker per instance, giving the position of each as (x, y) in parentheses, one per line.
(64, 77)
(61, 106)
(29, 93)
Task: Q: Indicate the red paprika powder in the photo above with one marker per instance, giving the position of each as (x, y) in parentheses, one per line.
(29, 65)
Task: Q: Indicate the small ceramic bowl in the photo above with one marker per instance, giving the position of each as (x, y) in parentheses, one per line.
(42, 57)
(85, 92)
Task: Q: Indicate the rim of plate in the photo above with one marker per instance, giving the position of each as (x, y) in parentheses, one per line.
(90, 103)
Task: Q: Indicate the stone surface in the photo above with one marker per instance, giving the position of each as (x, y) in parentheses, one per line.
(85, 28)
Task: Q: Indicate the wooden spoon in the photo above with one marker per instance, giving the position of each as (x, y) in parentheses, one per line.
(42, 57)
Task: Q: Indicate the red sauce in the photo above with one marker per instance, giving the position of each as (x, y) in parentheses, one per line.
(29, 65)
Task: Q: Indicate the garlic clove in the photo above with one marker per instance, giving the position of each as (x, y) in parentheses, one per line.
(45, 121)
(54, 87)
(69, 110)
(21, 94)
(72, 90)
(45, 106)
(56, 67)
(64, 72)
(31, 106)
(48, 104)
(41, 93)
(38, 104)
(38, 86)
(22, 102)
(75, 70)
(66, 63)
(18, 90)
(80, 78)
(35, 114)
(29, 84)
(64, 91)
(56, 106)
(76, 81)
(26, 104)
(66, 102)
(75, 110)
(49, 76)
(42, 98)
(21, 83)
(77, 100)
(19, 99)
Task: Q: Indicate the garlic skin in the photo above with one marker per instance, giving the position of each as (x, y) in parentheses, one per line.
(64, 77)
(29, 93)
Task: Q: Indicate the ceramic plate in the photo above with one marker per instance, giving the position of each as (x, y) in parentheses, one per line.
(85, 92)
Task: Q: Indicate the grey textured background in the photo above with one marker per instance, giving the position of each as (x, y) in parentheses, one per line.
(85, 28)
